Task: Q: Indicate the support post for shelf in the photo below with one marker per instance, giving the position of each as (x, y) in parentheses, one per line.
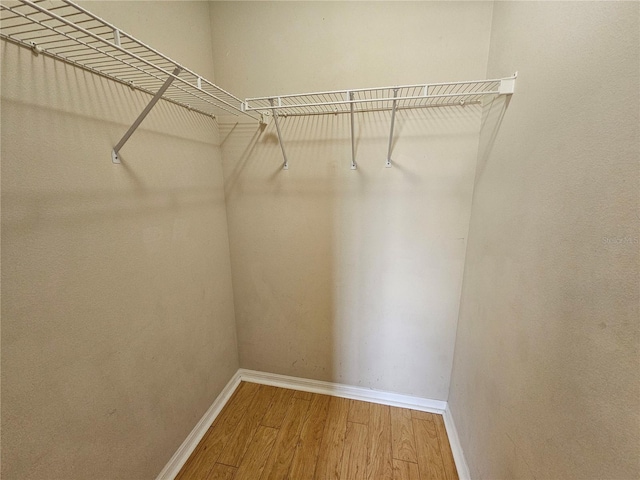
(393, 121)
(285, 166)
(354, 165)
(115, 153)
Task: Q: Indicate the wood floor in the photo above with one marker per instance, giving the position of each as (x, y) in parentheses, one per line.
(266, 433)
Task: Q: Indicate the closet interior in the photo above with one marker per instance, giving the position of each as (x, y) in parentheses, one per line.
(177, 220)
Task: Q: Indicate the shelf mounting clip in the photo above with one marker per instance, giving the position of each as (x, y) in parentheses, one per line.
(115, 153)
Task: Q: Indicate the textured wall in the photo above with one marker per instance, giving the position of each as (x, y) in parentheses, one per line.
(546, 373)
(117, 312)
(341, 275)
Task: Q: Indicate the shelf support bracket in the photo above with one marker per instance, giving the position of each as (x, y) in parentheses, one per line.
(115, 153)
(508, 85)
(393, 121)
(354, 165)
(285, 166)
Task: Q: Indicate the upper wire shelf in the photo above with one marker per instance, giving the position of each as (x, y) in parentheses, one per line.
(74, 35)
(400, 97)
(392, 99)
(70, 33)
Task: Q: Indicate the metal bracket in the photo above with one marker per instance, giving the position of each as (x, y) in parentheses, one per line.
(393, 121)
(285, 166)
(354, 165)
(116, 37)
(508, 85)
(115, 158)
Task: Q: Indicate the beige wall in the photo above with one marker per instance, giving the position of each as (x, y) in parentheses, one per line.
(117, 309)
(546, 374)
(341, 275)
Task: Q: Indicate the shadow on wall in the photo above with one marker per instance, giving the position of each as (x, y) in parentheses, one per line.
(116, 298)
(351, 276)
(71, 96)
(492, 115)
(71, 90)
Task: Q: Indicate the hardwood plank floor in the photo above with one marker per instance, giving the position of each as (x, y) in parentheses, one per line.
(330, 456)
(266, 433)
(429, 458)
(257, 454)
(403, 441)
(306, 455)
(380, 466)
(282, 453)
(354, 456)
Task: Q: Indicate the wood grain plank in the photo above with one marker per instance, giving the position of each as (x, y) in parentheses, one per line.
(354, 455)
(418, 415)
(428, 450)
(278, 408)
(259, 449)
(379, 466)
(358, 412)
(247, 427)
(330, 455)
(445, 449)
(303, 465)
(210, 447)
(279, 462)
(405, 470)
(403, 444)
(222, 472)
(303, 395)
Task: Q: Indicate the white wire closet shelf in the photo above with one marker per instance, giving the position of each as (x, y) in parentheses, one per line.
(69, 32)
(400, 97)
(382, 98)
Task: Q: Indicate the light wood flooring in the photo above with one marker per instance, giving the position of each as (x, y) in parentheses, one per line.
(266, 433)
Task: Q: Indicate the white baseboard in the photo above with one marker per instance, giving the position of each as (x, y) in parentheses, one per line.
(345, 391)
(172, 468)
(456, 447)
(314, 386)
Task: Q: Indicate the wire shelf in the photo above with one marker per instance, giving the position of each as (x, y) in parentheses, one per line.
(70, 33)
(380, 99)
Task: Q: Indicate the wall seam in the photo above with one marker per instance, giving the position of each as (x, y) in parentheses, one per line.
(473, 192)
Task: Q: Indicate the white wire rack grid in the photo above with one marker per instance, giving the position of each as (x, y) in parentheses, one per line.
(381, 98)
(68, 32)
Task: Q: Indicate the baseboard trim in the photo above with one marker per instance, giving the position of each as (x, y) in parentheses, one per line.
(172, 468)
(456, 447)
(344, 391)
